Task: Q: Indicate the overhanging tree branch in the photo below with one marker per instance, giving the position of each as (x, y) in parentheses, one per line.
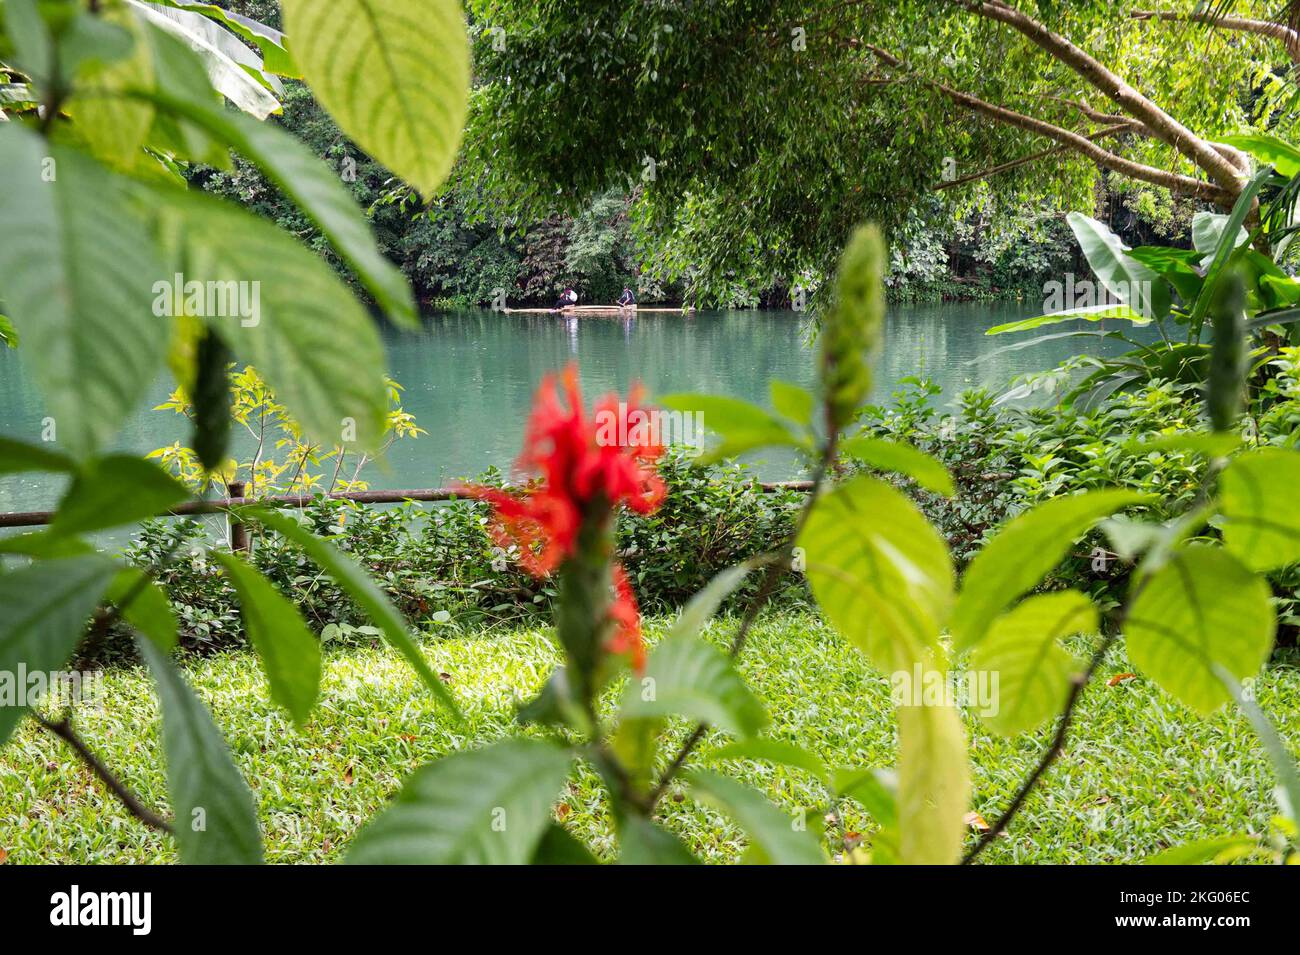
(1031, 158)
(1163, 127)
(1078, 142)
(1277, 31)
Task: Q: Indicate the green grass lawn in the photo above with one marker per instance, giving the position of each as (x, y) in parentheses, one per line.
(1141, 773)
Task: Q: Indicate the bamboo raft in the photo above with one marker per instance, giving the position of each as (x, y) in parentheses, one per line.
(597, 310)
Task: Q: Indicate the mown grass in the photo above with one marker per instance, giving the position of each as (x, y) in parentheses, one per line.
(1140, 773)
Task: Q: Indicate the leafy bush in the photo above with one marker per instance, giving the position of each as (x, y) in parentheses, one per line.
(439, 567)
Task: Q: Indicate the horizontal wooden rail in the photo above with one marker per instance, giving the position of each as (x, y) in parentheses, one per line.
(218, 505)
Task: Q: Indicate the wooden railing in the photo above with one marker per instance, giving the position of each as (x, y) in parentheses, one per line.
(219, 505)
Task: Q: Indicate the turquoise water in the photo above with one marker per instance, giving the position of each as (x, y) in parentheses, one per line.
(469, 376)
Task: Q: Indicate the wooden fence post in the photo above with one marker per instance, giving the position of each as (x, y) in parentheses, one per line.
(239, 540)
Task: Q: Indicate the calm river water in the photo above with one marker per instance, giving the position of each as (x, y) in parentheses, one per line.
(469, 376)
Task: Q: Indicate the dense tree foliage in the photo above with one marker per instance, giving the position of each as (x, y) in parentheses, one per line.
(759, 132)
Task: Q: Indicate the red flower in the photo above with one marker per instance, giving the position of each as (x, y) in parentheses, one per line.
(627, 620)
(610, 457)
(605, 461)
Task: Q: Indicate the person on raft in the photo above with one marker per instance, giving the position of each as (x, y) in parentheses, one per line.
(627, 299)
(567, 298)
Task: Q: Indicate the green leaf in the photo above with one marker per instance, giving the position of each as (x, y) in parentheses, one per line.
(17, 457)
(1229, 239)
(8, 334)
(289, 652)
(1268, 149)
(26, 30)
(304, 332)
(273, 45)
(688, 677)
(46, 608)
(314, 187)
(933, 785)
(793, 402)
(116, 490)
(902, 459)
(1207, 232)
(216, 820)
(1200, 611)
(394, 73)
(776, 838)
(1033, 670)
(743, 426)
(1176, 266)
(1262, 525)
(1219, 851)
(642, 842)
(1130, 281)
(704, 604)
(235, 80)
(358, 585)
(1022, 553)
(1092, 313)
(78, 287)
(879, 570)
(486, 806)
(774, 751)
(148, 610)
(559, 847)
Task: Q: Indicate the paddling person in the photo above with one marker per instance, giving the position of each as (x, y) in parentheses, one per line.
(567, 298)
(627, 299)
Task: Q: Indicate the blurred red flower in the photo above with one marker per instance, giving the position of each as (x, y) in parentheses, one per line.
(581, 463)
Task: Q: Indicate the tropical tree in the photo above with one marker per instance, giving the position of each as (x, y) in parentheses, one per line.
(761, 132)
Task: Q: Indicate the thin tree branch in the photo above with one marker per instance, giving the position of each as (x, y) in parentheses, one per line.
(1049, 755)
(1277, 31)
(1079, 143)
(1031, 158)
(64, 731)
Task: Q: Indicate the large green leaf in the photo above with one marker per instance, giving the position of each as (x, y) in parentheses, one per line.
(704, 604)
(1207, 233)
(642, 842)
(879, 570)
(486, 806)
(1269, 150)
(933, 785)
(358, 585)
(1229, 242)
(116, 490)
(1017, 559)
(688, 677)
(1262, 523)
(18, 456)
(1091, 313)
(1128, 280)
(46, 608)
(902, 459)
(394, 73)
(742, 425)
(77, 287)
(315, 345)
(289, 652)
(231, 66)
(316, 189)
(775, 837)
(1177, 266)
(559, 847)
(1033, 670)
(145, 606)
(774, 751)
(216, 821)
(1200, 611)
(273, 45)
